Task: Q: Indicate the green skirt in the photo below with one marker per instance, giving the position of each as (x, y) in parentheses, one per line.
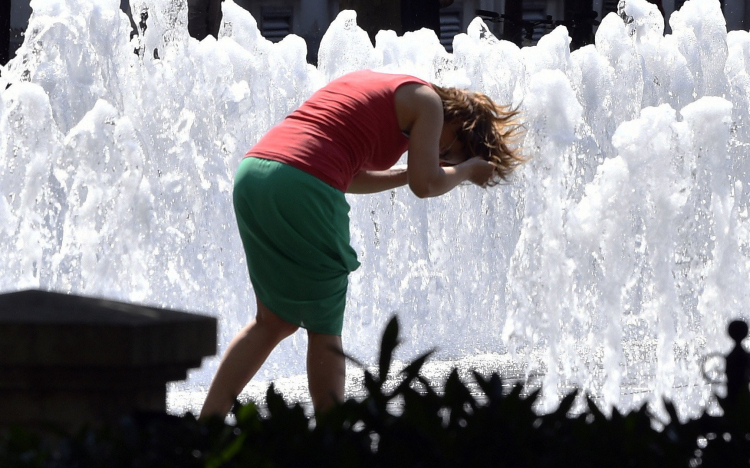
(295, 231)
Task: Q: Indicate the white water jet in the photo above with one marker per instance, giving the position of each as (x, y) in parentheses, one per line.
(612, 261)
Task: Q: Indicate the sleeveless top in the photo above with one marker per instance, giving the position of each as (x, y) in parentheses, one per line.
(347, 126)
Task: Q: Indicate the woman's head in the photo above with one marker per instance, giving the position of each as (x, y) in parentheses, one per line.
(485, 129)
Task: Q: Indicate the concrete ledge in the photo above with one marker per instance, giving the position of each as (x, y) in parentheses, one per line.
(71, 360)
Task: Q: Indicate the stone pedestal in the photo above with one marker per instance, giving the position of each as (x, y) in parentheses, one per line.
(71, 360)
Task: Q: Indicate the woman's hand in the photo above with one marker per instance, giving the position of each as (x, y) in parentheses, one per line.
(481, 171)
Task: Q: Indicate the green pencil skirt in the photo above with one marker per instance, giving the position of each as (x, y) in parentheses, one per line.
(295, 231)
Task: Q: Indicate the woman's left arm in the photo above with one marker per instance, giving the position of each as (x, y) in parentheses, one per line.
(378, 181)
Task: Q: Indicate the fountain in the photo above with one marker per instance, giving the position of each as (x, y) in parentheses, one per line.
(612, 261)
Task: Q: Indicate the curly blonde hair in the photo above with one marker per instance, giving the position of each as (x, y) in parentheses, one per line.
(486, 129)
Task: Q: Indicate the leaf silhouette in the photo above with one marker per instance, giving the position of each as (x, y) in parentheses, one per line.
(388, 344)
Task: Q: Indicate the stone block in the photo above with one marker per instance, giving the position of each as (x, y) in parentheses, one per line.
(72, 360)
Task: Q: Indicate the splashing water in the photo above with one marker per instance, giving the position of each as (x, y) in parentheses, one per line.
(612, 260)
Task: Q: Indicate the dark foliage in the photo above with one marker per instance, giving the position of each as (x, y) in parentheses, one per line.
(454, 428)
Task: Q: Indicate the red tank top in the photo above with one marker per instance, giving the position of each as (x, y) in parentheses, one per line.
(347, 126)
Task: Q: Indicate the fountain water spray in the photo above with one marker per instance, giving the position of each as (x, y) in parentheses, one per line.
(613, 259)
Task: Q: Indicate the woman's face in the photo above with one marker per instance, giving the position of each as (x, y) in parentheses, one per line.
(451, 149)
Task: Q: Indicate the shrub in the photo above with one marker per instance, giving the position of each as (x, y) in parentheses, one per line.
(449, 429)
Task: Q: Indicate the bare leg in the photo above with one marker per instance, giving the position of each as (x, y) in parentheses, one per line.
(244, 356)
(326, 371)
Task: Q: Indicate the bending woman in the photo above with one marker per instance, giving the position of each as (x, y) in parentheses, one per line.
(294, 219)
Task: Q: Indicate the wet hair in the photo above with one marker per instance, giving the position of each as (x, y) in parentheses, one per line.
(486, 129)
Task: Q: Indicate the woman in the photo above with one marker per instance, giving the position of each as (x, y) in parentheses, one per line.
(294, 219)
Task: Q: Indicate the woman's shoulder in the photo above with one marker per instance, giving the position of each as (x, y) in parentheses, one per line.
(417, 95)
(414, 99)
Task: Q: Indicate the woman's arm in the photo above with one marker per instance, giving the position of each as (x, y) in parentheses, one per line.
(378, 181)
(422, 110)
